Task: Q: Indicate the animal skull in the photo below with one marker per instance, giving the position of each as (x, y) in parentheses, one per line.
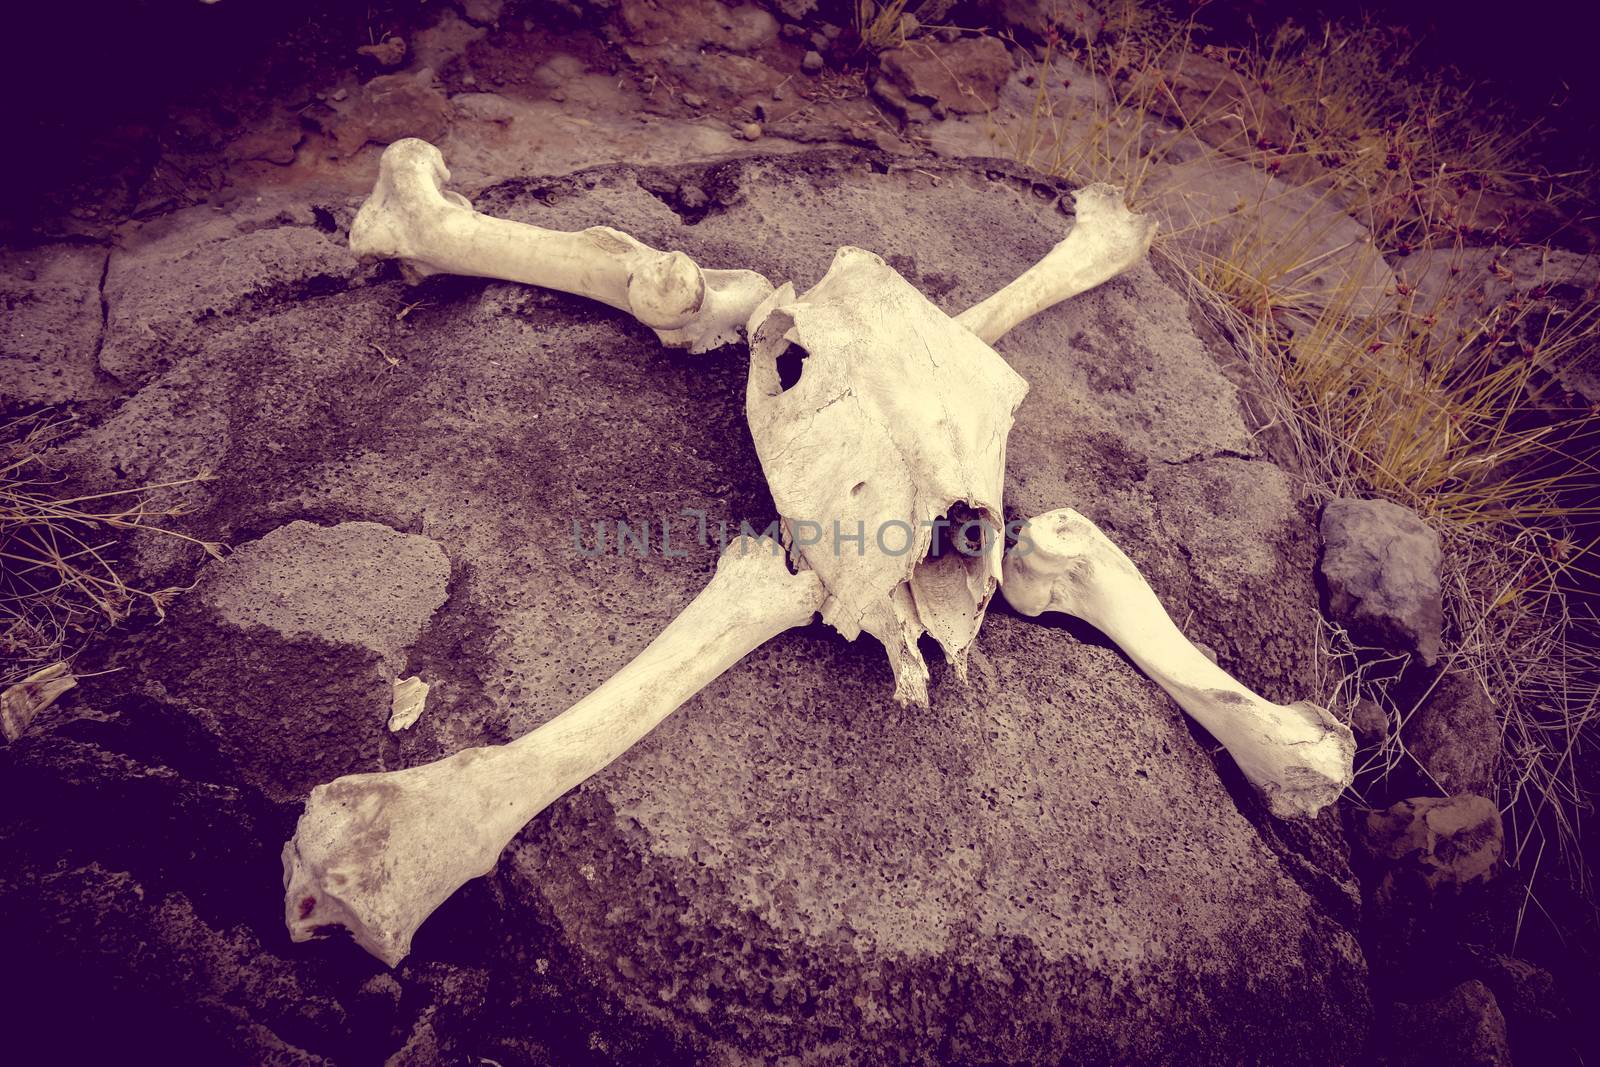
(880, 423)
(898, 421)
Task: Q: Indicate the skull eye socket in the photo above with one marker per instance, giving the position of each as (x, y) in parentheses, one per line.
(790, 362)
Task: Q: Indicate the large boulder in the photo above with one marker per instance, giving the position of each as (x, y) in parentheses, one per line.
(1048, 863)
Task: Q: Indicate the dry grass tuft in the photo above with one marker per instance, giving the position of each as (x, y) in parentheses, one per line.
(59, 581)
(1464, 421)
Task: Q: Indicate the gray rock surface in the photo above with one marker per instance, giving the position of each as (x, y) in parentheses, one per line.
(166, 285)
(963, 76)
(1455, 735)
(1380, 567)
(1046, 864)
(50, 319)
(357, 583)
(1463, 1027)
(1539, 1020)
(1462, 287)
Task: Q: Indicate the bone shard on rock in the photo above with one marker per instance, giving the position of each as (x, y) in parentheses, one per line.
(377, 853)
(1297, 755)
(411, 217)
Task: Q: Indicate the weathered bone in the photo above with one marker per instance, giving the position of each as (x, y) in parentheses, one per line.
(1105, 240)
(1297, 755)
(410, 216)
(898, 416)
(377, 853)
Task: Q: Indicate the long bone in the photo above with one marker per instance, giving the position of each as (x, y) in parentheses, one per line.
(411, 217)
(1297, 755)
(903, 415)
(1105, 240)
(377, 853)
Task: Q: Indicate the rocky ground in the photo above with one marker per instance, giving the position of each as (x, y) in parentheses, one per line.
(1047, 865)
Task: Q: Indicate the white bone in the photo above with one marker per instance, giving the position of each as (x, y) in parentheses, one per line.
(410, 216)
(27, 698)
(410, 696)
(899, 415)
(1105, 240)
(1297, 755)
(377, 853)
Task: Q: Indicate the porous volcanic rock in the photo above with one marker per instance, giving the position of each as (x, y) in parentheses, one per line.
(1046, 864)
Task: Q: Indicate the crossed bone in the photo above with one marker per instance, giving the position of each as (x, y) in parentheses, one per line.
(897, 421)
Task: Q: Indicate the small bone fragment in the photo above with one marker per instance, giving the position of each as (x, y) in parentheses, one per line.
(1105, 240)
(1297, 755)
(377, 853)
(410, 694)
(410, 216)
(27, 698)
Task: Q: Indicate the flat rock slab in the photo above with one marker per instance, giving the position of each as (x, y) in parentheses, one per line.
(355, 583)
(1045, 864)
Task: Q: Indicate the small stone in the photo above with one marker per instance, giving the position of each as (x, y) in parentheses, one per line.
(790, 32)
(1435, 843)
(1465, 1026)
(750, 131)
(486, 107)
(389, 52)
(1456, 735)
(1380, 566)
(273, 143)
(694, 100)
(830, 31)
(692, 197)
(558, 95)
(889, 95)
(469, 79)
(819, 42)
(482, 12)
(339, 94)
(812, 63)
(1369, 721)
(796, 10)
